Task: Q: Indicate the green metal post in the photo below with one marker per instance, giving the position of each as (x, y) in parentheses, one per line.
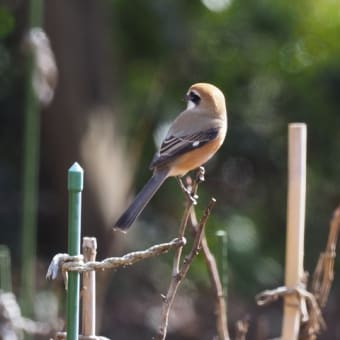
(75, 187)
(222, 260)
(30, 176)
(5, 269)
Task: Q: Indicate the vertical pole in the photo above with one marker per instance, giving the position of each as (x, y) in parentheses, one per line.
(222, 264)
(31, 145)
(297, 141)
(75, 187)
(223, 260)
(89, 289)
(5, 269)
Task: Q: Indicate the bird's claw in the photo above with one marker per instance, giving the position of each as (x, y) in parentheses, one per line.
(192, 198)
(200, 174)
(188, 192)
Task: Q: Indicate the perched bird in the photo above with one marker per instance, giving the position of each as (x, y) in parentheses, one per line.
(193, 138)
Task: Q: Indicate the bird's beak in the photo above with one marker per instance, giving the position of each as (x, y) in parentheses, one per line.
(186, 98)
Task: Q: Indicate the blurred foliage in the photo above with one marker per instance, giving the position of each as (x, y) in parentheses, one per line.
(276, 61)
(6, 22)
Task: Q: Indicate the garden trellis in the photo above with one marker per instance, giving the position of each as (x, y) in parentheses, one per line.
(302, 313)
(74, 263)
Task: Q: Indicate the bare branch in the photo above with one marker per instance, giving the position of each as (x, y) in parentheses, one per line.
(324, 272)
(241, 329)
(178, 277)
(216, 284)
(179, 272)
(311, 314)
(111, 262)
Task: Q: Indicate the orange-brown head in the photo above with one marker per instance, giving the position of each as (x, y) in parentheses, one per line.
(206, 97)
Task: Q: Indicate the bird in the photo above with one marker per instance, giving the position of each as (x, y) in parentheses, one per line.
(192, 139)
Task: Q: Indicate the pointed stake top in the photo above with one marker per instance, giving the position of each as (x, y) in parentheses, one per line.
(221, 233)
(75, 179)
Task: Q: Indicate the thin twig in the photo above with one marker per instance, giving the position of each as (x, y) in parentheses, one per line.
(322, 281)
(181, 232)
(324, 271)
(183, 270)
(311, 314)
(216, 283)
(241, 329)
(168, 299)
(220, 303)
(190, 201)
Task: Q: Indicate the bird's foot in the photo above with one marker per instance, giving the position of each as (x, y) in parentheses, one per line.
(188, 191)
(200, 174)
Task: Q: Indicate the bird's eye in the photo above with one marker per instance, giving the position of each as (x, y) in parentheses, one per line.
(194, 97)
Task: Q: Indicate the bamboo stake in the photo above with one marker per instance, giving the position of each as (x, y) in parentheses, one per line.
(295, 227)
(89, 289)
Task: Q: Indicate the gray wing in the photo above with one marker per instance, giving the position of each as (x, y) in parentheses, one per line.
(174, 146)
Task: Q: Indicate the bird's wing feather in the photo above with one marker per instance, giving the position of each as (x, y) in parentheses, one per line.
(174, 146)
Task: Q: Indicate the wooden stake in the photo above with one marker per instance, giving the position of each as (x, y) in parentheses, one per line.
(89, 289)
(295, 227)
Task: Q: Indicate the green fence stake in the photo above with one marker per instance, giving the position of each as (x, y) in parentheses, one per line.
(31, 145)
(75, 187)
(5, 269)
(222, 259)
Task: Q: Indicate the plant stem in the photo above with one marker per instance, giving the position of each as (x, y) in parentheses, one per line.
(30, 177)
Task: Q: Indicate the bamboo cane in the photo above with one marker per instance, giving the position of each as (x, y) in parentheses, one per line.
(89, 289)
(295, 227)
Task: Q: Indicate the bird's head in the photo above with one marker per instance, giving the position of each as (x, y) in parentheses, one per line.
(206, 96)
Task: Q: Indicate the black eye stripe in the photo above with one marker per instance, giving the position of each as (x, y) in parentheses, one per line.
(195, 98)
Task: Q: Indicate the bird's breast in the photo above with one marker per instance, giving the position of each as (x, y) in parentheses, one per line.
(194, 159)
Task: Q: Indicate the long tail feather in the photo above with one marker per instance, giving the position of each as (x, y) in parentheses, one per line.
(141, 200)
